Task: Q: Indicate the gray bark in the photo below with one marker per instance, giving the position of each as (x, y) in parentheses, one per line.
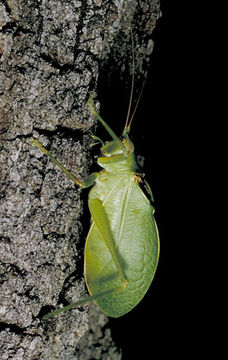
(50, 57)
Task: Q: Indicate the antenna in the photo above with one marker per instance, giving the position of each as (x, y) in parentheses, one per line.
(126, 127)
(128, 122)
(133, 114)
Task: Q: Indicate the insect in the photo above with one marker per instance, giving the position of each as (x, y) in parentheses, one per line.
(122, 246)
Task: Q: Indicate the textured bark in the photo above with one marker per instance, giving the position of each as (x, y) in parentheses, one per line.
(51, 54)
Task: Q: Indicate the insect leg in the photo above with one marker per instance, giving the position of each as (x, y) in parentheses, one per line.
(99, 118)
(100, 218)
(76, 304)
(148, 189)
(89, 181)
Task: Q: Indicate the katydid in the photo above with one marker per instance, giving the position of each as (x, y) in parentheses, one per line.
(122, 246)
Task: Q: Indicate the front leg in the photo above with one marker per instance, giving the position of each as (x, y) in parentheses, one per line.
(89, 181)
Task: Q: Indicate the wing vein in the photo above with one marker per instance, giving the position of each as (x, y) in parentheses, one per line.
(108, 195)
(123, 215)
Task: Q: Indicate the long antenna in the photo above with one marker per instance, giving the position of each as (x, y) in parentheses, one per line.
(132, 83)
(128, 122)
(133, 114)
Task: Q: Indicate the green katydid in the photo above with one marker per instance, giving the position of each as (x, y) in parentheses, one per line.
(122, 246)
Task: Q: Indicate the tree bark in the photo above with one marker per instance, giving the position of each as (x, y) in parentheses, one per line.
(51, 54)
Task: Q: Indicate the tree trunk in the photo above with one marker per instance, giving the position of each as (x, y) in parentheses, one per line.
(51, 54)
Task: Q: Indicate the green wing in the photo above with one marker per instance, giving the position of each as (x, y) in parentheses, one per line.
(136, 243)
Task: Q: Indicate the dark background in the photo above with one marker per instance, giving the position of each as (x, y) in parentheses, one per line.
(150, 328)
